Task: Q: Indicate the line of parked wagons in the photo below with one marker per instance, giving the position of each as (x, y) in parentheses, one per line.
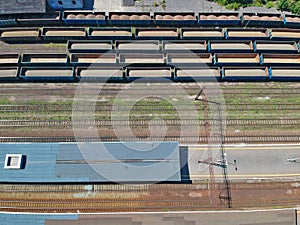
(190, 49)
(63, 34)
(125, 66)
(92, 18)
(211, 53)
(130, 73)
(174, 46)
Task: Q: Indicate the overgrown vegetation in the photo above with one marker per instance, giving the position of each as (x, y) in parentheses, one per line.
(289, 5)
(55, 45)
(283, 5)
(161, 3)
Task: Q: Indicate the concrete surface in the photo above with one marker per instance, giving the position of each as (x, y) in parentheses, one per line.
(252, 217)
(253, 162)
(277, 217)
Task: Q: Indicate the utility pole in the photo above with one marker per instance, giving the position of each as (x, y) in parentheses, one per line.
(225, 195)
(213, 195)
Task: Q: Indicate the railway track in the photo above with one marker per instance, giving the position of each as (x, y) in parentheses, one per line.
(114, 89)
(110, 95)
(108, 122)
(130, 207)
(107, 205)
(103, 107)
(229, 139)
(109, 198)
(147, 197)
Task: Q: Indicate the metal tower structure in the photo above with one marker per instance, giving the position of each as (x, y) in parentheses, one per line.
(225, 195)
(213, 191)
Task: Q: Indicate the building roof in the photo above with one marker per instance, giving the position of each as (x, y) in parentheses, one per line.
(22, 6)
(37, 219)
(93, 162)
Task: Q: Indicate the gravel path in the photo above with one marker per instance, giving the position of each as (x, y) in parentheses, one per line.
(171, 6)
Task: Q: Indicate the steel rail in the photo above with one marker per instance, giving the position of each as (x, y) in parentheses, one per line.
(229, 139)
(108, 122)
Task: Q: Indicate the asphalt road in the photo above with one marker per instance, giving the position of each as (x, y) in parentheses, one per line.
(253, 162)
